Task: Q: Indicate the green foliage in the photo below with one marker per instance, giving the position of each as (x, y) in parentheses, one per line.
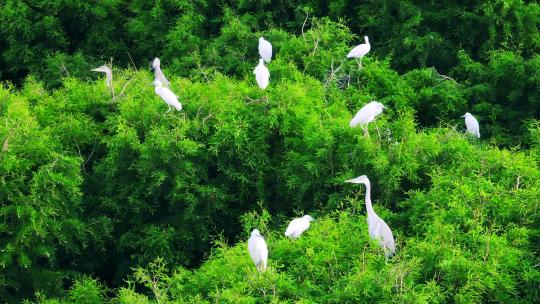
(505, 92)
(103, 197)
(122, 186)
(498, 39)
(42, 228)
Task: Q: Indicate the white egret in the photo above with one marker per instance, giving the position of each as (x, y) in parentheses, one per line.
(167, 95)
(360, 51)
(378, 229)
(298, 226)
(258, 251)
(262, 75)
(108, 74)
(265, 49)
(472, 124)
(367, 114)
(158, 74)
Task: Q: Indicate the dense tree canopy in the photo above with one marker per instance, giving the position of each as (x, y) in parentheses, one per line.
(107, 198)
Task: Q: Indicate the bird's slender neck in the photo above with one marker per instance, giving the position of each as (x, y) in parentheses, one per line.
(369, 207)
(108, 78)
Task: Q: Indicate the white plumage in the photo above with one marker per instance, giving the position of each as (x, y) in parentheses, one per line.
(366, 114)
(167, 95)
(158, 74)
(258, 251)
(298, 226)
(265, 49)
(360, 51)
(262, 75)
(378, 229)
(108, 74)
(472, 124)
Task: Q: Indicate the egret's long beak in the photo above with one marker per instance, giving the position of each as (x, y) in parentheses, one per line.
(462, 115)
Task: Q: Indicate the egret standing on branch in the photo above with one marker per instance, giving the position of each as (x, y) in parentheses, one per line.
(258, 251)
(298, 226)
(378, 229)
(367, 114)
(262, 75)
(360, 51)
(472, 124)
(168, 96)
(158, 74)
(108, 74)
(265, 49)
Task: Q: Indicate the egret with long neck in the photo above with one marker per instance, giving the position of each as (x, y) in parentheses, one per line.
(378, 229)
(158, 74)
(108, 74)
(359, 51)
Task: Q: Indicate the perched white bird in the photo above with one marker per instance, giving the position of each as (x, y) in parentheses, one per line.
(367, 114)
(472, 124)
(378, 229)
(298, 226)
(167, 96)
(265, 49)
(158, 74)
(108, 74)
(258, 251)
(262, 75)
(360, 51)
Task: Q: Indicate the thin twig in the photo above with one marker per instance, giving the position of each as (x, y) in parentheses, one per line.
(253, 101)
(91, 153)
(445, 77)
(112, 80)
(65, 69)
(333, 72)
(5, 147)
(132, 62)
(316, 46)
(303, 25)
(124, 87)
(207, 117)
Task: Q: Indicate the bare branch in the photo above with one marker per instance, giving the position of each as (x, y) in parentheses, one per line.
(445, 77)
(63, 67)
(303, 25)
(124, 87)
(132, 62)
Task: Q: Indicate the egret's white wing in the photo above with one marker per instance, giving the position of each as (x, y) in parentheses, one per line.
(386, 238)
(297, 227)
(359, 51)
(366, 114)
(472, 125)
(262, 75)
(265, 50)
(379, 231)
(258, 251)
(169, 97)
